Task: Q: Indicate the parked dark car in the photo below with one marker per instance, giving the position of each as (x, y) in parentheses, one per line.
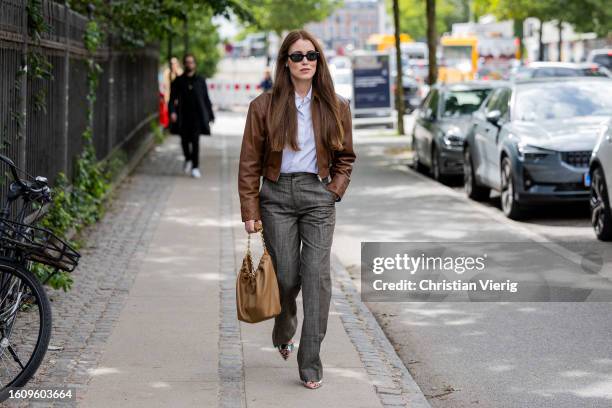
(532, 141)
(441, 123)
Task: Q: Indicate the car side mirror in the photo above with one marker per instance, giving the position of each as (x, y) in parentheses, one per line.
(494, 116)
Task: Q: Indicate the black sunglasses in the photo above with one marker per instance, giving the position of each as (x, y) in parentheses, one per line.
(310, 56)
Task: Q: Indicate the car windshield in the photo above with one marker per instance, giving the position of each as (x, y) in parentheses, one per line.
(457, 56)
(563, 100)
(464, 102)
(567, 72)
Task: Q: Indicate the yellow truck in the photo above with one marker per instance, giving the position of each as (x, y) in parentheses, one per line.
(382, 42)
(459, 60)
(477, 51)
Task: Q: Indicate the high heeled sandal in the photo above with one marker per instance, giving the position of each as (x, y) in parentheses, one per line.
(312, 385)
(285, 350)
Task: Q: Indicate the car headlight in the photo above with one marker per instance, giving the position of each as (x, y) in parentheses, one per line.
(453, 137)
(531, 153)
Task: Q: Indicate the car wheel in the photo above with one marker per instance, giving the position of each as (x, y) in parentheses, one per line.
(472, 189)
(510, 206)
(416, 161)
(601, 214)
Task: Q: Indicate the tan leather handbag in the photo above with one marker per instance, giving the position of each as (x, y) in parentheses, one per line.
(257, 296)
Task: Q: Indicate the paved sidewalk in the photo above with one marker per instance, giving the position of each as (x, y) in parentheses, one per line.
(152, 320)
(163, 349)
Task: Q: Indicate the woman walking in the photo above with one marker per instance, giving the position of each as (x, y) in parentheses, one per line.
(298, 136)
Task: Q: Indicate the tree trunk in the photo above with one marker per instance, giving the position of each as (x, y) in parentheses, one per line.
(540, 43)
(170, 51)
(267, 47)
(431, 41)
(466, 10)
(399, 90)
(560, 39)
(518, 32)
(186, 34)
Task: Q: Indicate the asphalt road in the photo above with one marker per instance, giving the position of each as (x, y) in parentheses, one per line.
(478, 354)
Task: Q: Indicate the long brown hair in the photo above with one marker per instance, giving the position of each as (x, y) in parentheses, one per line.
(282, 111)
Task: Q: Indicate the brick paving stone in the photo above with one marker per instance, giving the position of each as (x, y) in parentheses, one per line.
(83, 318)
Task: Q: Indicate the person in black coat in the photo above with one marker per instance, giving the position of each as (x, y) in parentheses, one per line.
(190, 112)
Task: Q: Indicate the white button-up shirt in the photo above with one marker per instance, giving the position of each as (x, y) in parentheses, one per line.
(304, 159)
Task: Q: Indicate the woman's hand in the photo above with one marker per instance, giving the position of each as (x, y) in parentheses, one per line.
(252, 226)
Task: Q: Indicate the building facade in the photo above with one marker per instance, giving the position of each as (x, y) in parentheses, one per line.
(574, 46)
(351, 25)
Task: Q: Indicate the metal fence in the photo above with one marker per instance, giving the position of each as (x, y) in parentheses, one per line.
(46, 138)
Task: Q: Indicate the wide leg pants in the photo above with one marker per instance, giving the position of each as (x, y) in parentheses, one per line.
(299, 215)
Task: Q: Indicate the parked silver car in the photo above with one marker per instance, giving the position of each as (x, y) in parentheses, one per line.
(532, 141)
(561, 69)
(601, 185)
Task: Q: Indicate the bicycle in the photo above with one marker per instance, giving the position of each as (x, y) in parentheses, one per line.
(25, 310)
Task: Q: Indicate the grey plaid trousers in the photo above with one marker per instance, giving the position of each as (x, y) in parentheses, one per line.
(298, 215)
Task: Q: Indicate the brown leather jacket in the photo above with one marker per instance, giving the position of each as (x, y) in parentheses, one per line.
(256, 158)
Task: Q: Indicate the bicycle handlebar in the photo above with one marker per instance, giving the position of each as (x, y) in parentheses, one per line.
(13, 168)
(23, 184)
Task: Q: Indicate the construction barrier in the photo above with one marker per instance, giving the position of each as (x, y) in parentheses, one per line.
(228, 94)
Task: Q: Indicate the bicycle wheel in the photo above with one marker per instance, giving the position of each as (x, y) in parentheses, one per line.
(25, 325)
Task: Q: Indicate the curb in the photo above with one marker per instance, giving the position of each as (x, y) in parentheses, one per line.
(392, 381)
(231, 392)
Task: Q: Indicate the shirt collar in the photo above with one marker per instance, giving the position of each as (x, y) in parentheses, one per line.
(298, 98)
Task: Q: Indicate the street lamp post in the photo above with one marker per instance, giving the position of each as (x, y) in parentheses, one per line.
(431, 41)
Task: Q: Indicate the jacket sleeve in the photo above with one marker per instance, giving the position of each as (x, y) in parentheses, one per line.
(211, 114)
(250, 165)
(173, 97)
(342, 161)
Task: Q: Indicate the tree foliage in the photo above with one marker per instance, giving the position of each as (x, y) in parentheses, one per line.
(413, 19)
(589, 16)
(203, 43)
(280, 15)
(138, 22)
(585, 16)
